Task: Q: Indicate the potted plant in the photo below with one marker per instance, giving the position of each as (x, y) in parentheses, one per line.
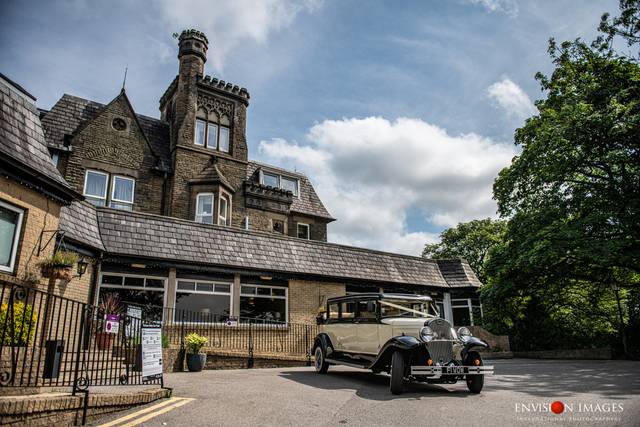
(109, 305)
(195, 359)
(59, 265)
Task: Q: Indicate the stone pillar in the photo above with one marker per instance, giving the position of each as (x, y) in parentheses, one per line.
(235, 295)
(446, 302)
(171, 289)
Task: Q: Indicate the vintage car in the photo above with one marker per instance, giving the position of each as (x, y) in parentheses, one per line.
(401, 334)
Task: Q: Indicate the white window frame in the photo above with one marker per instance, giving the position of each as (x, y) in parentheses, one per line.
(208, 144)
(228, 129)
(144, 287)
(270, 296)
(16, 237)
(106, 187)
(195, 133)
(195, 291)
(213, 207)
(304, 224)
(55, 158)
(227, 217)
(463, 303)
(113, 190)
(280, 176)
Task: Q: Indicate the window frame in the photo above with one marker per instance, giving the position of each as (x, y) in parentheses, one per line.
(196, 291)
(227, 198)
(55, 158)
(280, 176)
(303, 224)
(164, 288)
(270, 296)
(213, 207)
(206, 144)
(113, 191)
(106, 186)
(15, 244)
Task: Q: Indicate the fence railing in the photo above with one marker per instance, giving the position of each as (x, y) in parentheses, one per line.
(48, 340)
(244, 335)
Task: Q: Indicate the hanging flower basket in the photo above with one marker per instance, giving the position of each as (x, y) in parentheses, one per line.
(59, 266)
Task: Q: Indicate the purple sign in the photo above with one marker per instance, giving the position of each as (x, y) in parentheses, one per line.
(112, 323)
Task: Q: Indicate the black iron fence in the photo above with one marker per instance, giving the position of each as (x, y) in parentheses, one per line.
(47, 340)
(245, 335)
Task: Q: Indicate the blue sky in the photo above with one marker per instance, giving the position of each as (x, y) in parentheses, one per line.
(402, 113)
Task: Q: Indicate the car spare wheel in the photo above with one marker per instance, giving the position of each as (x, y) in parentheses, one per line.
(321, 364)
(397, 373)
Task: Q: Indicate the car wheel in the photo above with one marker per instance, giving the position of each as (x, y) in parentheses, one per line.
(397, 373)
(475, 382)
(320, 361)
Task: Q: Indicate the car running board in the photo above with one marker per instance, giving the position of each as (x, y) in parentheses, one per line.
(351, 364)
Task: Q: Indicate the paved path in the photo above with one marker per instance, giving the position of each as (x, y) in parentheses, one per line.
(299, 396)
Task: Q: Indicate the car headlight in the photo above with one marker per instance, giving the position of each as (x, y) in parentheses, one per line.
(427, 334)
(464, 332)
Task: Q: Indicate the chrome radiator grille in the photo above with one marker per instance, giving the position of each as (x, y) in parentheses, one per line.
(441, 351)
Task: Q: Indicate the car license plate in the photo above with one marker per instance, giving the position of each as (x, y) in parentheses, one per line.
(455, 369)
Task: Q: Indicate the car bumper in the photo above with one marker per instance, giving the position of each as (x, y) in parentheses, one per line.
(440, 371)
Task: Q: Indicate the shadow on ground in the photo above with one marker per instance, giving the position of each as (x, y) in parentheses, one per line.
(560, 378)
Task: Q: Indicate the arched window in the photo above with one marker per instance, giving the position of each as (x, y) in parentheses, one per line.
(212, 131)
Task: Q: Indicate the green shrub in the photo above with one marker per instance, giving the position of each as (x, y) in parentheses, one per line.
(18, 331)
(194, 343)
(60, 259)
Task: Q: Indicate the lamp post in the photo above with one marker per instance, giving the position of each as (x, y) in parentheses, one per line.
(616, 289)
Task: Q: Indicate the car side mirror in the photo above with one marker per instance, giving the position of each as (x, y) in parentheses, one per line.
(319, 319)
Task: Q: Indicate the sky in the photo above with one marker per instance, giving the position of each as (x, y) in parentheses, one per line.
(401, 113)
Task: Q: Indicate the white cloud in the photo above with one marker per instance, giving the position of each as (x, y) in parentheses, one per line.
(511, 98)
(227, 24)
(370, 172)
(510, 7)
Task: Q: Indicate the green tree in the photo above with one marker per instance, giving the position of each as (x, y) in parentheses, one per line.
(471, 241)
(573, 194)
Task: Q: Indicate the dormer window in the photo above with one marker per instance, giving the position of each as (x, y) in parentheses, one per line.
(223, 210)
(204, 208)
(281, 181)
(212, 132)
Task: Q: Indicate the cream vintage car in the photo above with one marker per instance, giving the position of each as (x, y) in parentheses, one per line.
(401, 334)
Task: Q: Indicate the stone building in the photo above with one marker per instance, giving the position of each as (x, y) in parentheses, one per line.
(177, 218)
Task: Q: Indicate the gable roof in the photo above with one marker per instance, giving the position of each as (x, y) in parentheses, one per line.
(458, 273)
(149, 236)
(308, 203)
(22, 141)
(70, 113)
(212, 174)
(79, 223)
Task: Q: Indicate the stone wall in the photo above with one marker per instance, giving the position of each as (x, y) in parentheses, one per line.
(123, 152)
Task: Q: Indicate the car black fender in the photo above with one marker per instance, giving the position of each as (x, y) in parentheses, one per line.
(322, 340)
(470, 343)
(404, 343)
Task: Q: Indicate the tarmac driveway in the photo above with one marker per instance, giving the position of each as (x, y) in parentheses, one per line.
(598, 392)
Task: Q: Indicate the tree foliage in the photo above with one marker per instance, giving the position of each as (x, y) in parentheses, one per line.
(471, 241)
(572, 197)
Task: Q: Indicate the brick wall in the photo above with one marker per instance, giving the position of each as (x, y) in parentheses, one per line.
(306, 297)
(41, 216)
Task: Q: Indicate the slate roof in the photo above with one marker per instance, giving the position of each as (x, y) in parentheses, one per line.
(175, 240)
(70, 112)
(308, 203)
(458, 273)
(21, 137)
(80, 224)
(211, 173)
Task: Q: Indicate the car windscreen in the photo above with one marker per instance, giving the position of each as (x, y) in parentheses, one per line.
(405, 308)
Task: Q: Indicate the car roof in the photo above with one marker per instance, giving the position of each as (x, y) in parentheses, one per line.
(373, 295)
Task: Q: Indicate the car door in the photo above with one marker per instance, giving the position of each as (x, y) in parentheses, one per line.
(367, 327)
(342, 328)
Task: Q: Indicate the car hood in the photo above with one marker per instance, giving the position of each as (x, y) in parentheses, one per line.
(417, 322)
